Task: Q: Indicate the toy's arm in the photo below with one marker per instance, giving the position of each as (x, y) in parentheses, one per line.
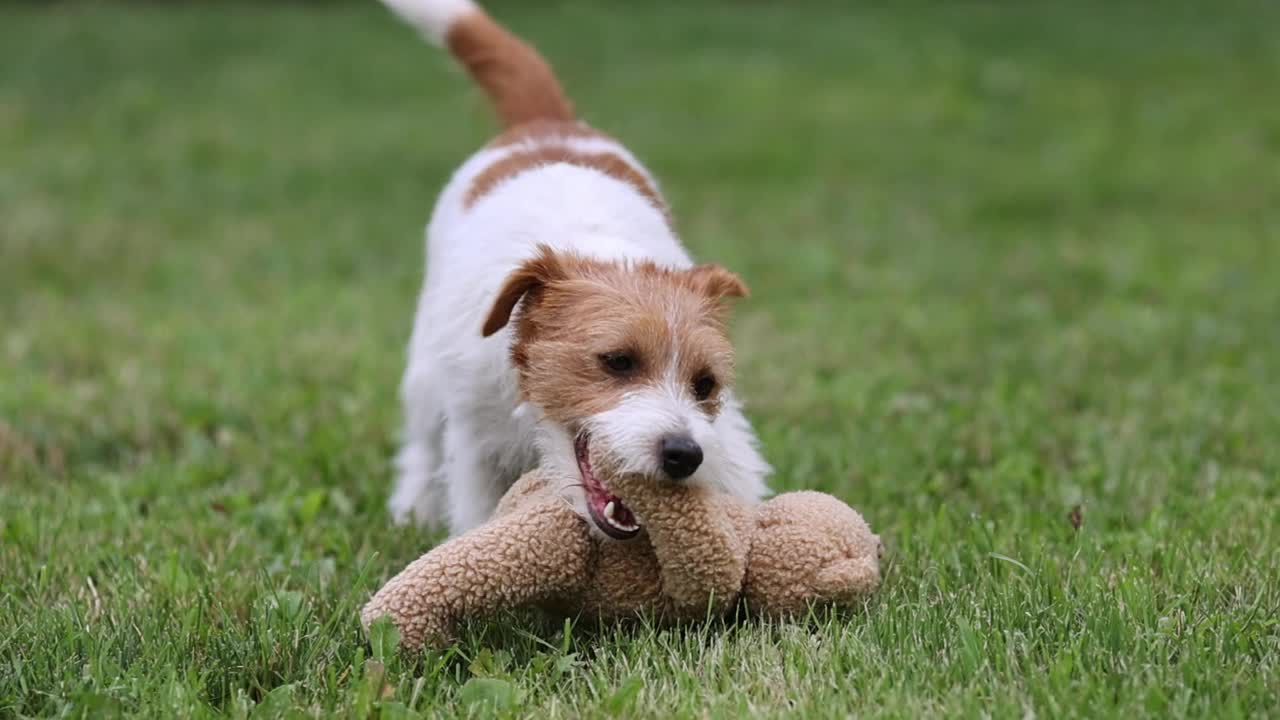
(514, 560)
(697, 536)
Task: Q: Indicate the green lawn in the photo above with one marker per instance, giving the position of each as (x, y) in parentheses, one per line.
(1008, 259)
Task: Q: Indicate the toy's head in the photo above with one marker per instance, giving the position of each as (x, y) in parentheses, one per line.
(810, 547)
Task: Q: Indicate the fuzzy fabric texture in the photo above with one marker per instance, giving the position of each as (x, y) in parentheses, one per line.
(700, 552)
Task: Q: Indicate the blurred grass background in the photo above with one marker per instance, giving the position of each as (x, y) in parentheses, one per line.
(1007, 260)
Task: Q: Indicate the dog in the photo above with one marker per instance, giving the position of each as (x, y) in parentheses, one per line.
(560, 319)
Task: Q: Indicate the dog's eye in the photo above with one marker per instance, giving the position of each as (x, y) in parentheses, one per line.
(703, 386)
(618, 363)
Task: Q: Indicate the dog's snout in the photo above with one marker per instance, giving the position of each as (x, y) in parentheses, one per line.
(680, 456)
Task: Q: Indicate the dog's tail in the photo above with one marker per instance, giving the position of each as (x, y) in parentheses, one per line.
(518, 81)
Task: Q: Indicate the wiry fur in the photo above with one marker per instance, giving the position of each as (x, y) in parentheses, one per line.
(475, 420)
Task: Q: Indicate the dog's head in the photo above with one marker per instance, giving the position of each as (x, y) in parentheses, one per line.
(628, 363)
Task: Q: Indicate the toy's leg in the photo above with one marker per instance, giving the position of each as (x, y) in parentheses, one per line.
(513, 561)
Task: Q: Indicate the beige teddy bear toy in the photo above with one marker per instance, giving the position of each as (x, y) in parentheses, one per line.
(695, 550)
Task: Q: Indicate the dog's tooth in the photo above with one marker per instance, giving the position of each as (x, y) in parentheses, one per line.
(609, 509)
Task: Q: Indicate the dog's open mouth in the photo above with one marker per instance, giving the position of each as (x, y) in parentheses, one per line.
(607, 511)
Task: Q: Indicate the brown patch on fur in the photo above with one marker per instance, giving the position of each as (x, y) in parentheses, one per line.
(717, 282)
(517, 79)
(545, 131)
(530, 276)
(523, 160)
(573, 310)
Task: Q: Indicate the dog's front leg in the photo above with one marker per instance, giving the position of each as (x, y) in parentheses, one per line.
(474, 481)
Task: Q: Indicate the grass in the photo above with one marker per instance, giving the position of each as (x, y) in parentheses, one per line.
(1008, 259)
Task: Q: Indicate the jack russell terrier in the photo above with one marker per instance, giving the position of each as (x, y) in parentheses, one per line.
(561, 321)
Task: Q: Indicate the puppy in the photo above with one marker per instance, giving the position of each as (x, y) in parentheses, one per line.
(561, 321)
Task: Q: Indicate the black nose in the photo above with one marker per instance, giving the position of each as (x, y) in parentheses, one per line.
(680, 456)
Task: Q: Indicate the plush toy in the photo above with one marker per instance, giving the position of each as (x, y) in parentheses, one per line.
(698, 551)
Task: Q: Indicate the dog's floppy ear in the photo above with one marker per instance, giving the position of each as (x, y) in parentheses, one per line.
(532, 274)
(716, 282)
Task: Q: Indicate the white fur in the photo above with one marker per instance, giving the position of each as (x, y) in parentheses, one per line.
(432, 18)
(629, 432)
(467, 436)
